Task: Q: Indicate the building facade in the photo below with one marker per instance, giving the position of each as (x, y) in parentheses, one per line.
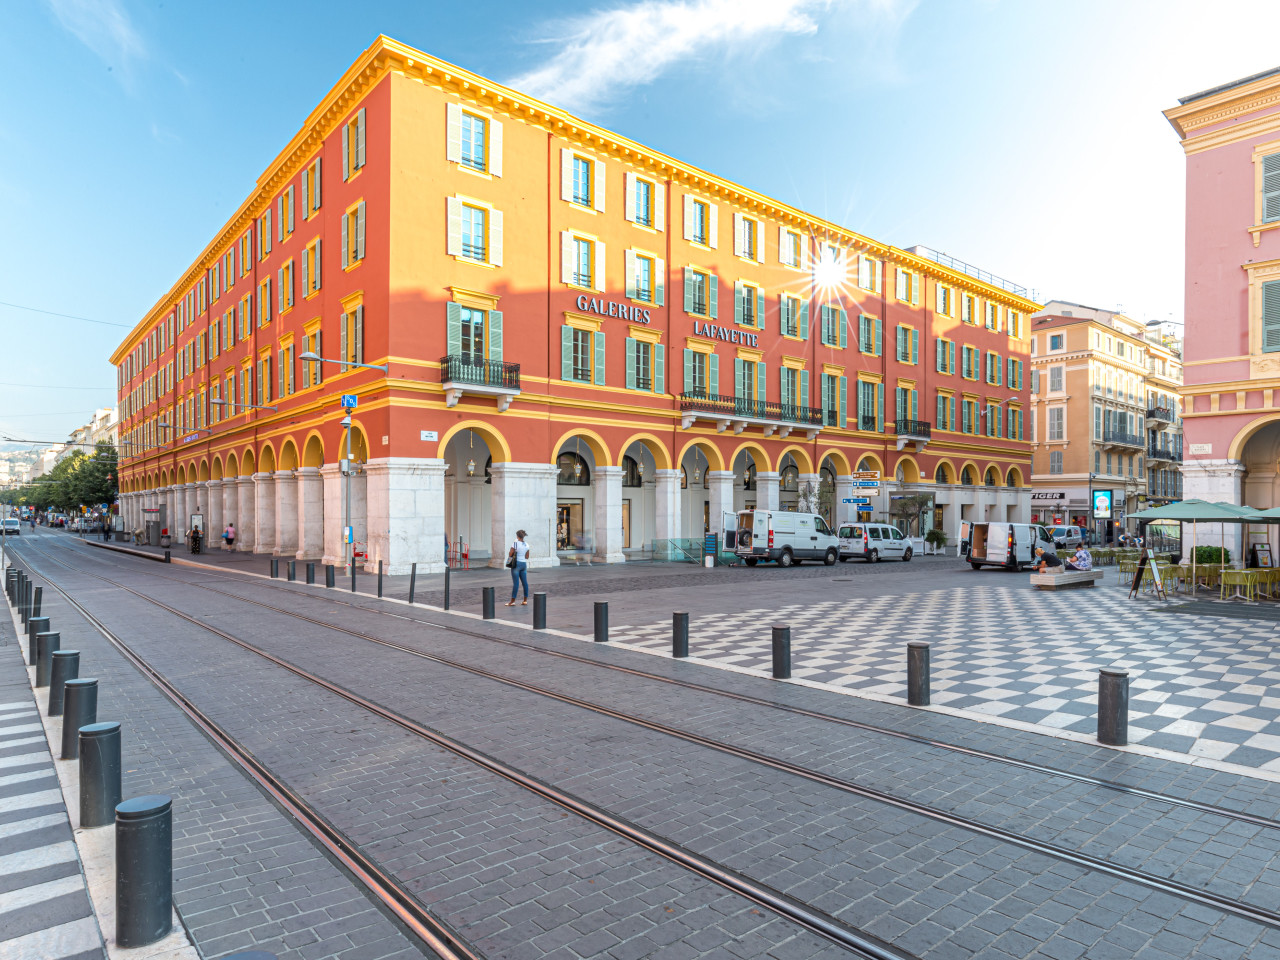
(583, 338)
(1231, 137)
(1105, 416)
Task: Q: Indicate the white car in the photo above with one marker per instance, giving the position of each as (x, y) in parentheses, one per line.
(12, 527)
(873, 542)
(1067, 538)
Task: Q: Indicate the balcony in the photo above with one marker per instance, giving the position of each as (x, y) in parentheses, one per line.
(1164, 453)
(918, 432)
(462, 374)
(742, 412)
(1121, 439)
(1160, 413)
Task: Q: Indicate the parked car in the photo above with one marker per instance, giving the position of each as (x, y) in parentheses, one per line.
(1009, 545)
(873, 542)
(784, 537)
(11, 527)
(1066, 537)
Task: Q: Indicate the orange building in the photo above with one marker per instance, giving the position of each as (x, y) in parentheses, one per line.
(582, 338)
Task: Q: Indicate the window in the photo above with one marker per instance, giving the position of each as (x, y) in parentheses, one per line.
(353, 233)
(870, 335)
(645, 363)
(351, 334)
(284, 368)
(869, 274)
(748, 305)
(908, 286)
(789, 312)
(789, 247)
(264, 236)
(699, 218)
(284, 218)
(943, 304)
(700, 293)
(642, 203)
(944, 355)
(645, 278)
(993, 368)
(311, 189)
(969, 362)
(264, 379)
(474, 233)
(993, 313)
(473, 142)
(870, 405)
(284, 288)
(745, 383)
(908, 345)
(946, 412)
(582, 256)
(1056, 423)
(1055, 341)
(353, 145)
(1055, 461)
(1014, 326)
(582, 357)
(311, 268)
(746, 238)
(264, 302)
(1056, 379)
(695, 372)
(312, 373)
(581, 181)
(968, 308)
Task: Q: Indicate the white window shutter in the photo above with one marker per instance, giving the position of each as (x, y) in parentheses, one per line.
(360, 231)
(566, 174)
(631, 272)
(454, 248)
(738, 227)
(306, 203)
(453, 133)
(688, 216)
(784, 252)
(495, 148)
(495, 238)
(315, 187)
(360, 138)
(566, 256)
(346, 151)
(713, 229)
(599, 267)
(316, 273)
(630, 207)
(346, 243)
(659, 206)
(292, 196)
(597, 186)
(659, 282)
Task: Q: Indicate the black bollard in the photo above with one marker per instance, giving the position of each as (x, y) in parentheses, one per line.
(166, 557)
(144, 870)
(275, 567)
(1113, 706)
(413, 579)
(446, 588)
(79, 709)
(46, 643)
(487, 604)
(602, 621)
(379, 579)
(782, 653)
(679, 635)
(918, 673)
(293, 575)
(328, 574)
(26, 598)
(539, 611)
(353, 576)
(100, 788)
(34, 629)
(10, 577)
(311, 572)
(65, 666)
(35, 601)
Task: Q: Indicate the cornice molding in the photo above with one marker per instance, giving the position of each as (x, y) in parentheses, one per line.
(1233, 102)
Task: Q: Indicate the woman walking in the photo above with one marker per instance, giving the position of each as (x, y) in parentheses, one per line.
(518, 561)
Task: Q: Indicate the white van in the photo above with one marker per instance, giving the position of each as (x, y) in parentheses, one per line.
(785, 537)
(873, 542)
(1009, 545)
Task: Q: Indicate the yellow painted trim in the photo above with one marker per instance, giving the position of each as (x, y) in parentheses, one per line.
(700, 346)
(832, 370)
(644, 334)
(754, 356)
(758, 455)
(474, 299)
(493, 439)
(658, 449)
(867, 376)
(794, 363)
(581, 322)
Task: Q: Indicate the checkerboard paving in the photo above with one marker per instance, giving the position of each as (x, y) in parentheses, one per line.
(1201, 685)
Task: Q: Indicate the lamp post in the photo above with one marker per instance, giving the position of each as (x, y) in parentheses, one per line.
(349, 549)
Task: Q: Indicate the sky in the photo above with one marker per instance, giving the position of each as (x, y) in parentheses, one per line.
(1022, 136)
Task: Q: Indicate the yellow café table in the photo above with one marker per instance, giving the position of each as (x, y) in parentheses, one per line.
(1127, 569)
(1244, 581)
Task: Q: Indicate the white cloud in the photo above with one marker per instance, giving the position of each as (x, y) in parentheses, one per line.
(609, 51)
(104, 27)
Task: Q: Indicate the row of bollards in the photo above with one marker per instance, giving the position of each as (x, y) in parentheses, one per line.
(144, 825)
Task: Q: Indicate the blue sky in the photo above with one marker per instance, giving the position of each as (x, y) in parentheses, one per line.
(1022, 136)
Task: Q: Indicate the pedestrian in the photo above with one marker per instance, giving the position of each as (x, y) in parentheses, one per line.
(1046, 559)
(229, 536)
(1081, 560)
(518, 561)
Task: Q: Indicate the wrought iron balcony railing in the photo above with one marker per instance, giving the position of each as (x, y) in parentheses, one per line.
(1160, 413)
(915, 429)
(490, 373)
(1120, 438)
(749, 409)
(1164, 453)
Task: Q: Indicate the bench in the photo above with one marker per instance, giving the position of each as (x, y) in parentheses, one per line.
(1065, 579)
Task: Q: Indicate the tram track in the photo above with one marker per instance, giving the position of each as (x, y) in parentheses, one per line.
(1139, 876)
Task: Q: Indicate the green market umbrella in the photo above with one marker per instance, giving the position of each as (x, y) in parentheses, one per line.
(1198, 511)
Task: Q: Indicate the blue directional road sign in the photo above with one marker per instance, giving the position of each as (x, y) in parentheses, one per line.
(862, 484)
(858, 500)
(348, 400)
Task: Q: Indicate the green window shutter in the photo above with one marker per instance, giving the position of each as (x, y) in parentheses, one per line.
(688, 371)
(899, 332)
(688, 290)
(844, 400)
(939, 355)
(599, 342)
(453, 314)
(899, 403)
(824, 324)
(915, 404)
(1009, 363)
(760, 310)
(879, 337)
(915, 346)
(783, 375)
(1271, 315)
(631, 363)
(761, 386)
(659, 282)
(713, 296)
(880, 407)
(566, 352)
(964, 417)
(713, 374)
(342, 341)
(804, 388)
(951, 358)
(804, 319)
(942, 413)
(737, 301)
(843, 320)
(659, 368)
(346, 150)
(999, 368)
(1271, 188)
(737, 377)
(495, 335)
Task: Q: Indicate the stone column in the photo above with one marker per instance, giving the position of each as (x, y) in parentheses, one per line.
(845, 512)
(524, 498)
(720, 489)
(1213, 480)
(334, 548)
(311, 525)
(608, 519)
(286, 507)
(191, 504)
(264, 513)
(245, 514)
(359, 490)
(406, 514)
(666, 501)
(213, 512)
(809, 482)
(768, 490)
(230, 504)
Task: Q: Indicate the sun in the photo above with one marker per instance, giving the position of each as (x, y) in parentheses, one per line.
(829, 272)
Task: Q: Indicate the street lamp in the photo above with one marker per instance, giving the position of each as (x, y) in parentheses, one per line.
(310, 357)
(243, 406)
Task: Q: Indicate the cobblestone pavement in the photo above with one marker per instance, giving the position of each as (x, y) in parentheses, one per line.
(932, 889)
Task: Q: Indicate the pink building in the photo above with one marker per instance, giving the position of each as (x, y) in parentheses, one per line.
(1231, 392)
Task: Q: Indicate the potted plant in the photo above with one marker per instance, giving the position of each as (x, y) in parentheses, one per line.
(937, 538)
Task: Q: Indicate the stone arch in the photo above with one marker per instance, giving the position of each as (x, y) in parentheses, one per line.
(838, 460)
(217, 469)
(182, 475)
(595, 442)
(949, 474)
(313, 451)
(804, 463)
(993, 469)
(203, 472)
(658, 449)
(910, 469)
(248, 463)
(974, 473)
(498, 446)
(288, 455)
(359, 443)
(1242, 438)
(873, 463)
(758, 455)
(267, 459)
(715, 460)
(1013, 478)
(233, 467)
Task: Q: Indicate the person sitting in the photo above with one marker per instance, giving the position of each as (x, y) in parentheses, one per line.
(1081, 560)
(1047, 560)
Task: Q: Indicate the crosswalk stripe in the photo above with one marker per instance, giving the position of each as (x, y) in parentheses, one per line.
(24, 758)
(24, 777)
(6, 732)
(18, 827)
(46, 856)
(17, 899)
(64, 940)
(26, 801)
(21, 742)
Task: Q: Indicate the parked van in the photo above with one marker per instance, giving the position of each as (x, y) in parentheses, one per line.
(1067, 538)
(785, 537)
(873, 542)
(1009, 545)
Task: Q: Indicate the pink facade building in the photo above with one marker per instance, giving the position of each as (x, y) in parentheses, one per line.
(1231, 392)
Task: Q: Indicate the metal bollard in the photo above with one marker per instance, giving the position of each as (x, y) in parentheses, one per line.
(144, 870)
(328, 574)
(782, 653)
(65, 666)
(35, 601)
(602, 621)
(311, 572)
(34, 629)
(10, 578)
(679, 635)
(23, 608)
(275, 567)
(100, 787)
(379, 579)
(293, 575)
(539, 611)
(413, 579)
(446, 588)
(79, 709)
(1113, 706)
(353, 576)
(46, 643)
(487, 603)
(918, 673)
(166, 557)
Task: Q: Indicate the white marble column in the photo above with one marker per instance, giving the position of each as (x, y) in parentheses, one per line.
(334, 549)
(667, 505)
(359, 489)
(844, 512)
(311, 523)
(230, 505)
(524, 498)
(264, 513)
(286, 509)
(810, 488)
(192, 503)
(406, 514)
(767, 490)
(608, 519)
(720, 488)
(245, 514)
(1215, 481)
(213, 510)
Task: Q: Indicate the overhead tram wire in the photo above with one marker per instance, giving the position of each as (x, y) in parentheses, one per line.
(65, 316)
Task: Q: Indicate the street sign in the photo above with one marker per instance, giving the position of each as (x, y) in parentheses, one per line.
(861, 500)
(348, 400)
(863, 484)
(429, 435)
(348, 534)
(866, 475)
